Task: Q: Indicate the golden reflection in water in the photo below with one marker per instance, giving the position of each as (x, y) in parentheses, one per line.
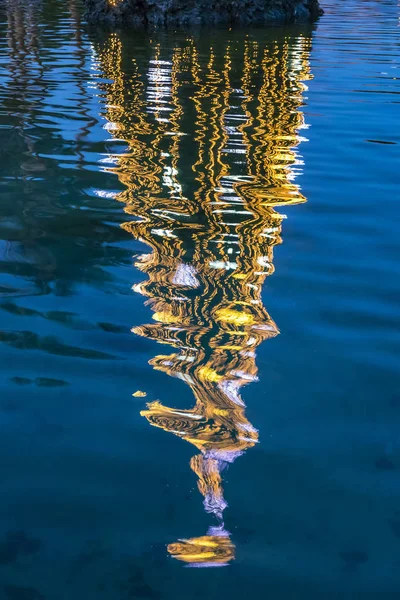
(212, 140)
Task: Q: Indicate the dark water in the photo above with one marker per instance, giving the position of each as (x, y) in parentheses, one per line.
(145, 185)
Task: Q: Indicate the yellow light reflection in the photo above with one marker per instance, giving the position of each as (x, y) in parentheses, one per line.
(212, 150)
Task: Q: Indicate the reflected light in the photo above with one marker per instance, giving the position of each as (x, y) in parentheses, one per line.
(204, 176)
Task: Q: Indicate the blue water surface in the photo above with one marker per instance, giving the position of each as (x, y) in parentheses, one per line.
(176, 164)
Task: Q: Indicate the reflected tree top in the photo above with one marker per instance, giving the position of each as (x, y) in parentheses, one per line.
(212, 135)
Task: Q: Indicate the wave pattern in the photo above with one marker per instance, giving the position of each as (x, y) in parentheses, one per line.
(206, 204)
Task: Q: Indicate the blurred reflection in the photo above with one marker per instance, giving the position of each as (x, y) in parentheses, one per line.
(212, 137)
(23, 32)
(54, 231)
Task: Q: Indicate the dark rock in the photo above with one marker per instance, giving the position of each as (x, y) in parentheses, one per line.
(175, 13)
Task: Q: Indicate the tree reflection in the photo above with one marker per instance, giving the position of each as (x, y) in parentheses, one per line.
(55, 231)
(212, 134)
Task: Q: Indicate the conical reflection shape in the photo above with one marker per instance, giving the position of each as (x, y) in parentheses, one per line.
(212, 136)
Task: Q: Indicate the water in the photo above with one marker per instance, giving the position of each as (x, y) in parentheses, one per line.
(276, 362)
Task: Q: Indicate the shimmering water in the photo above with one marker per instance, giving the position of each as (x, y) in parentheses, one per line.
(178, 387)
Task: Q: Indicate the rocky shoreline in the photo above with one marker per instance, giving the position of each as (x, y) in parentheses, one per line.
(178, 13)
